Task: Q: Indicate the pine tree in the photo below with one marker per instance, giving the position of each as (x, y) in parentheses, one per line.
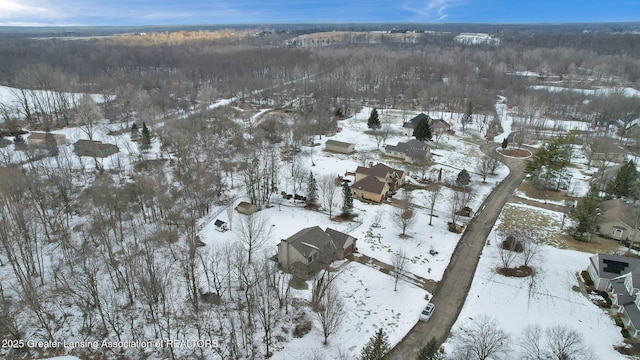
(422, 131)
(146, 136)
(374, 120)
(505, 143)
(625, 182)
(377, 347)
(347, 206)
(312, 190)
(585, 215)
(135, 132)
(467, 118)
(463, 178)
(430, 351)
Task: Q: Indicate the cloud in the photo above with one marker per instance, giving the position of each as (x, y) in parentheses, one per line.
(14, 10)
(434, 9)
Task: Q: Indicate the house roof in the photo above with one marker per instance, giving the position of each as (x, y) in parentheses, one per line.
(608, 173)
(310, 240)
(370, 184)
(605, 145)
(613, 266)
(245, 205)
(440, 123)
(378, 170)
(339, 238)
(414, 122)
(412, 144)
(219, 223)
(338, 143)
(416, 154)
(617, 210)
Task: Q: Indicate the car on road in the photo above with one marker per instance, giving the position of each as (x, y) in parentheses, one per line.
(427, 312)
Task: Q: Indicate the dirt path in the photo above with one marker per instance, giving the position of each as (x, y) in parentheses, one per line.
(452, 290)
(414, 279)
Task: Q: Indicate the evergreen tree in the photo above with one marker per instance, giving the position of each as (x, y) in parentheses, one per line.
(146, 136)
(377, 347)
(625, 182)
(463, 178)
(312, 189)
(347, 205)
(19, 142)
(585, 215)
(374, 120)
(422, 131)
(430, 351)
(135, 132)
(505, 143)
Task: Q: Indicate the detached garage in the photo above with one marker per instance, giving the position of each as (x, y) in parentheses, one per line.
(339, 147)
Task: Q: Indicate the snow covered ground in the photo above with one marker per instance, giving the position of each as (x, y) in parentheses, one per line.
(547, 299)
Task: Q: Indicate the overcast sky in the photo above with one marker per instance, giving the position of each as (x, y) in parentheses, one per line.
(212, 12)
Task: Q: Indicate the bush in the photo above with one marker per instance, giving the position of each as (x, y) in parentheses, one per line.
(512, 244)
(587, 278)
(619, 321)
(302, 329)
(625, 333)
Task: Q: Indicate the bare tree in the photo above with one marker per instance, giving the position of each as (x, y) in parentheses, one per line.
(328, 188)
(482, 338)
(88, 115)
(404, 214)
(484, 166)
(531, 343)
(563, 343)
(434, 194)
(399, 263)
(507, 251)
(253, 232)
(330, 312)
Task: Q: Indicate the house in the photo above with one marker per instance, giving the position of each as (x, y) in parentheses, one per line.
(310, 248)
(221, 225)
(370, 189)
(38, 138)
(395, 178)
(339, 147)
(246, 208)
(620, 277)
(412, 151)
(409, 126)
(94, 148)
(439, 126)
(604, 149)
(618, 220)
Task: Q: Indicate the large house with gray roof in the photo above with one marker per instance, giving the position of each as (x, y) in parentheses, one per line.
(412, 151)
(617, 220)
(620, 277)
(310, 248)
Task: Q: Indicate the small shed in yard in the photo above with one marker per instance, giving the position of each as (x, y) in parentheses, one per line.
(339, 147)
(221, 225)
(246, 208)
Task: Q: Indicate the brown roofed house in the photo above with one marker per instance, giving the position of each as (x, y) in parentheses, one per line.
(310, 248)
(38, 138)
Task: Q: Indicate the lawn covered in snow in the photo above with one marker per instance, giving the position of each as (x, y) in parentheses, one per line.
(547, 299)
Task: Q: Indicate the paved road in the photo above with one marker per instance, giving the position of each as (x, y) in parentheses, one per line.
(452, 290)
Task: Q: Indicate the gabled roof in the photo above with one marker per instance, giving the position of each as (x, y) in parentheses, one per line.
(339, 238)
(338, 143)
(310, 240)
(618, 210)
(613, 266)
(370, 184)
(440, 123)
(378, 170)
(416, 154)
(412, 144)
(414, 122)
(219, 223)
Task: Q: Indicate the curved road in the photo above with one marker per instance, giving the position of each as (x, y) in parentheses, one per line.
(452, 290)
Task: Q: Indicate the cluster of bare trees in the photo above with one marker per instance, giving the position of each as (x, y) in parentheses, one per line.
(482, 338)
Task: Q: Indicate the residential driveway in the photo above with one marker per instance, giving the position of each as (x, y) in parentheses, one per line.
(452, 290)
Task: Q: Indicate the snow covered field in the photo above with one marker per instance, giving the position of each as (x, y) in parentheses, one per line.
(547, 299)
